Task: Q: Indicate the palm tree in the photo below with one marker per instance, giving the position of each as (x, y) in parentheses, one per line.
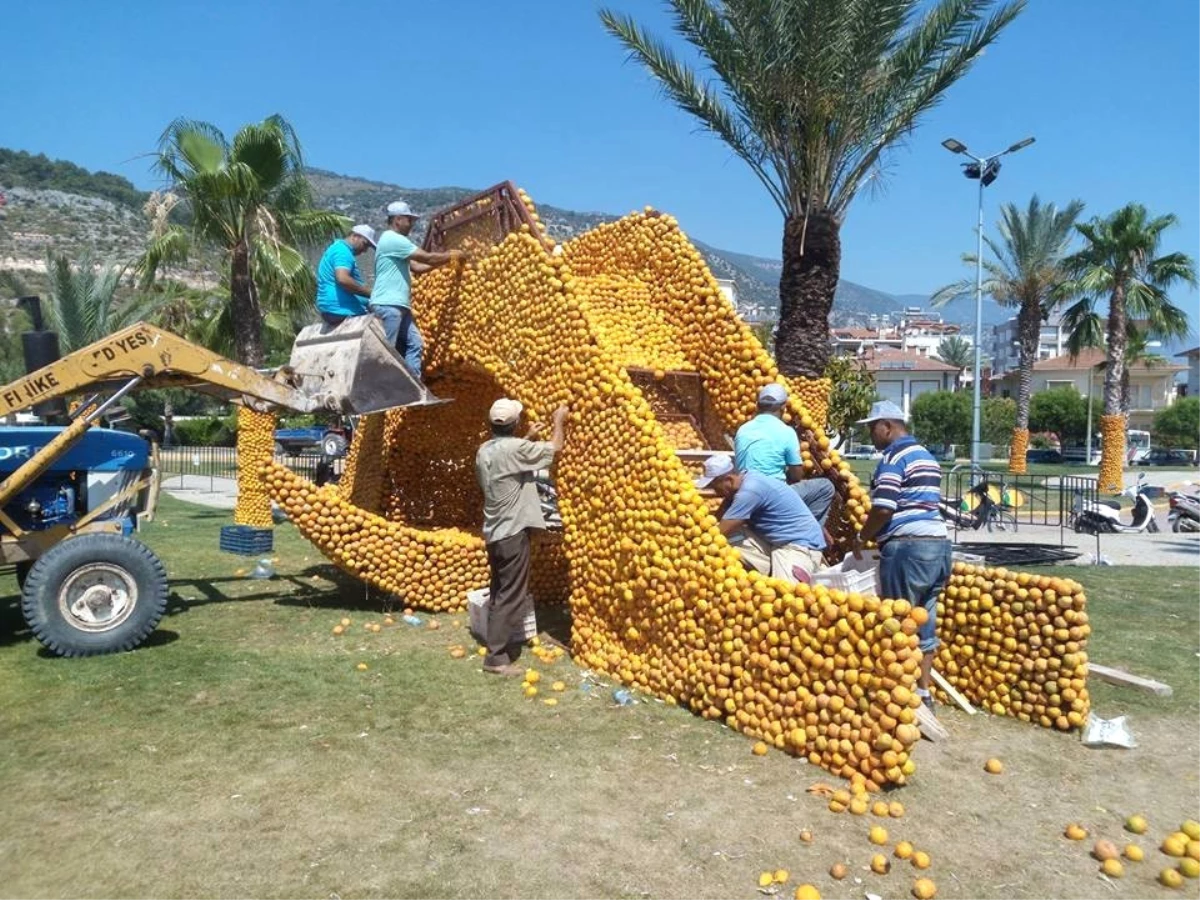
(958, 352)
(83, 306)
(1025, 272)
(811, 94)
(248, 197)
(1120, 261)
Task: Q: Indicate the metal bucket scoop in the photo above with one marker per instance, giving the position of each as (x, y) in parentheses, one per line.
(351, 369)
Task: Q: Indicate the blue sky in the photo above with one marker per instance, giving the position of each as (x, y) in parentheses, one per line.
(471, 92)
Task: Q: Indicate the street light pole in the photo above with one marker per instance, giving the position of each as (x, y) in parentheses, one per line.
(976, 395)
(985, 169)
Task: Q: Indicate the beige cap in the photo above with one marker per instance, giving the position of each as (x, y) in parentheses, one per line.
(505, 411)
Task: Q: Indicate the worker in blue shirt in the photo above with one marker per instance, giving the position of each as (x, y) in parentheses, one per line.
(341, 291)
(768, 445)
(397, 259)
(914, 549)
(768, 524)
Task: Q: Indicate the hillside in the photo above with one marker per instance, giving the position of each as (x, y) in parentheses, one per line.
(53, 203)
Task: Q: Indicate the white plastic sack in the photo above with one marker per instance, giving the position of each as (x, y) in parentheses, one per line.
(1099, 732)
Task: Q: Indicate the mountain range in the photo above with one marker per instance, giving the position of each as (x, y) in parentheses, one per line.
(54, 203)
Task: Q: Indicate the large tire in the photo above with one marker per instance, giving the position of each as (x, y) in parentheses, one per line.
(93, 594)
(334, 445)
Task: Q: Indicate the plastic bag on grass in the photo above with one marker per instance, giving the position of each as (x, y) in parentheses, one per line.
(1099, 732)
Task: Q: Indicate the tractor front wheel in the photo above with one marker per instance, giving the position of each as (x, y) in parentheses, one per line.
(93, 594)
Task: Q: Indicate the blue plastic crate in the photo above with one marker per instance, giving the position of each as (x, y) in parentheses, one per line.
(246, 540)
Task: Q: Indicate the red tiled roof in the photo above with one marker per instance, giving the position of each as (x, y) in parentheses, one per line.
(886, 360)
(1089, 358)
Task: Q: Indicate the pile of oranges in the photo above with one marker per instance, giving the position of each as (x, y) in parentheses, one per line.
(255, 449)
(1016, 644)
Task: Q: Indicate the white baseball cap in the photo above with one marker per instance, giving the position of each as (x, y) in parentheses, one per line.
(773, 394)
(505, 411)
(400, 208)
(883, 409)
(365, 231)
(714, 467)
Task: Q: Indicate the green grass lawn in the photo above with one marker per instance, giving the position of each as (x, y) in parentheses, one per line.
(242, 753)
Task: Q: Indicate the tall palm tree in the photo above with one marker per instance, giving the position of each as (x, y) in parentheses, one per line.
(958, 352)
(248, 197)
(811, 94)
(1025, 272)
(83, 305)
(1120, 262)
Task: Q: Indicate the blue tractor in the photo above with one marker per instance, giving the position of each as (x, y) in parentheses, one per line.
(88, 585)
(72, 496)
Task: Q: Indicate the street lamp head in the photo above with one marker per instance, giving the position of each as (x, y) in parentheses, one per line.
(1020, 145)
(954, 146)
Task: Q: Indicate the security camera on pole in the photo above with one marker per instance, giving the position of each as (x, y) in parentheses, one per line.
(985, 169)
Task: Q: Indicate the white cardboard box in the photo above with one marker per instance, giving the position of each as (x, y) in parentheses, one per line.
(478, 607)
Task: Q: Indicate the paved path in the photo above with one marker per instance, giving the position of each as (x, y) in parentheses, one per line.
(214, 491)
(1163, 549)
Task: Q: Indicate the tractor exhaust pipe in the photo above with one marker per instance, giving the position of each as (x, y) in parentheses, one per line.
(40, 348)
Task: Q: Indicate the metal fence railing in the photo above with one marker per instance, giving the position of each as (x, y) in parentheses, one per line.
(178, 463)
(1002, 501)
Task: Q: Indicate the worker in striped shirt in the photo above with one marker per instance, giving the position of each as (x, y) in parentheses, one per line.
(914, 550)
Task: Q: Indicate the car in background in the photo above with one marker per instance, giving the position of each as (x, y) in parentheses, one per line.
(328, 440)
(1043, 455)
(1160, 456)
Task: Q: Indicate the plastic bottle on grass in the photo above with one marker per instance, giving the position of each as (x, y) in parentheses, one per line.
(263, 569)
(412, 620)
(624, 697)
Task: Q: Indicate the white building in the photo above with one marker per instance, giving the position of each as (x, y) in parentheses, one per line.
(1004, 346)
(1151, 387)
(1193, 371)
(729, 289)
(904, 375)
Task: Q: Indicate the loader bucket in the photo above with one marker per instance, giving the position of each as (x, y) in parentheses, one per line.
(351, 369)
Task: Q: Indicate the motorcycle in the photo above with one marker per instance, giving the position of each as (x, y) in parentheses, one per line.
(1184, 514)
(1100, 517)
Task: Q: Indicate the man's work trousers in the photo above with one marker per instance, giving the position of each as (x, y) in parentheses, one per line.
(509, 600)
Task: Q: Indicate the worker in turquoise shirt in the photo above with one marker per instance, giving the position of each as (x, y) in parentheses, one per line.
(397, 259)
(768, 445)
(340, 286)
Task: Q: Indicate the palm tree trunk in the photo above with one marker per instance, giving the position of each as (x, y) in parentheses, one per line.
(1029, 326)
(812, 259)
(1112, 423)
(1114, 370)
(245, 309)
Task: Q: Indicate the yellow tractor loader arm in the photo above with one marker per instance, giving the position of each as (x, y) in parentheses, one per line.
(160, 359)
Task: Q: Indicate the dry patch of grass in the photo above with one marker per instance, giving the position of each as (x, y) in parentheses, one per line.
(242, 753)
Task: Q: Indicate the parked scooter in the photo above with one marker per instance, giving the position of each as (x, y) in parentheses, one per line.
(1185, 511)
(1100, 517)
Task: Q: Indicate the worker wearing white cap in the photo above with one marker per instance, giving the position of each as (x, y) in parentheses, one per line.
(768, 445)
(770, 526)
(505, 467)
(397, 259)
(905, 520)
(341, 291)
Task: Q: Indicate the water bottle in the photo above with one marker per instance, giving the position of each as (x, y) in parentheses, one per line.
(412, 620)
(264, 569)
(623, 697)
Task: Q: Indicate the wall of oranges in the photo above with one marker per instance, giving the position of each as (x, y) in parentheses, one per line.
(659, 599)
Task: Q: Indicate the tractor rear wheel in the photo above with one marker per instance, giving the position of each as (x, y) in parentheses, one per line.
(93, 594)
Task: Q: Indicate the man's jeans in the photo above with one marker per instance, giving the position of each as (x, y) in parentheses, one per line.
(400, 329)
(817, 494)
(916, 571)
